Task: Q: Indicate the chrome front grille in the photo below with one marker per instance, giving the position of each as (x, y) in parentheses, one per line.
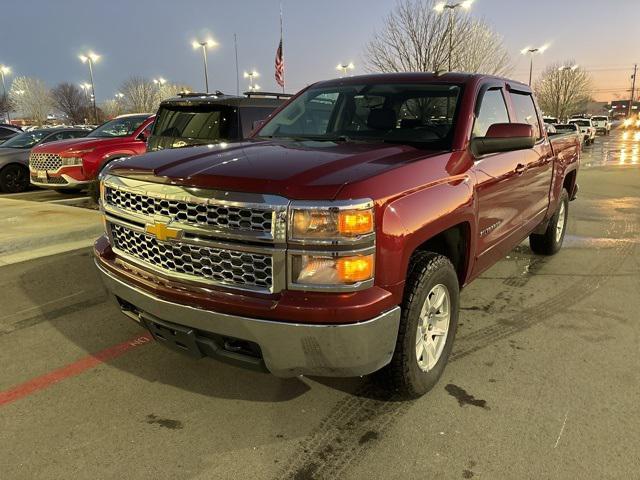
(218, 216)
(45, 161)
(195, 262)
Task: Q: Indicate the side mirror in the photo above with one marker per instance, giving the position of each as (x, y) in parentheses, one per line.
(142, 137)
(504, 137)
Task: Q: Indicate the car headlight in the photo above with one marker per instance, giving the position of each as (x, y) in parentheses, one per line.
(331, 223)
(330, 270)
(70, 161)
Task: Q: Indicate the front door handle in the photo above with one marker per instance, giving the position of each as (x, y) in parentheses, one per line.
(520, 168)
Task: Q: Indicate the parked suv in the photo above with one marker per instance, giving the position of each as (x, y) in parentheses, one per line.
(14, 154)
(198, 118)
(75, 164)
(335, 241)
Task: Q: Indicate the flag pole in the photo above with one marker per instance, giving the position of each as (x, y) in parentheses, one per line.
(235, 43)
(281, 43)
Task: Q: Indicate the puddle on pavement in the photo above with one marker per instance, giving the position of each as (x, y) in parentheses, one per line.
(576, 241)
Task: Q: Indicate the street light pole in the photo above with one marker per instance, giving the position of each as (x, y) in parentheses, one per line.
(441, 7)
(532, 52)
(204, 44)
(90, 58)
(344, 67)
(251, 75)
(5, 70)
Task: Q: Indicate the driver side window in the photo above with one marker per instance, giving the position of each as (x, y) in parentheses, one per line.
(492, 110)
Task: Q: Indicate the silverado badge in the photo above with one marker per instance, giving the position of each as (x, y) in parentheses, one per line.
(162, 231)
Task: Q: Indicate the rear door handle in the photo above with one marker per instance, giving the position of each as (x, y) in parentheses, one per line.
(520, 168)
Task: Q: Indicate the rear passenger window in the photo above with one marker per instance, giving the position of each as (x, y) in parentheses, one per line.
(492, 110)
(526, 111)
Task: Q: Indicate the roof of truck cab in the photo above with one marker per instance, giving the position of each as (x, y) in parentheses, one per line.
(419, 77)
(222, 99)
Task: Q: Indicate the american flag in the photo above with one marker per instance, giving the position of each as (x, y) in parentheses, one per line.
(280, 65)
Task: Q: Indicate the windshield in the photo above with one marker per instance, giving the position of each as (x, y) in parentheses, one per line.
(120, 127)
(599, 119)
(566, 127)
(422, 114)
(200, 122)
(582, 123)
(26, 140)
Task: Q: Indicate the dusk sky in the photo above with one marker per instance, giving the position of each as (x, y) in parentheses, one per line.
(43, 38)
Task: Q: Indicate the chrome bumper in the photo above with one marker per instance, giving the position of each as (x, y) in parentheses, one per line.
(288, 349)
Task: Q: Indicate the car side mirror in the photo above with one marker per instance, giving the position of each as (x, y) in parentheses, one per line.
(504, 137)
(142, 137)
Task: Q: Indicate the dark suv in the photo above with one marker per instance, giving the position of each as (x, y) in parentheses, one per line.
(204, 118)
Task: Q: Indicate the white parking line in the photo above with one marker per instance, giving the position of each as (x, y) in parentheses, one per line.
(70, 200)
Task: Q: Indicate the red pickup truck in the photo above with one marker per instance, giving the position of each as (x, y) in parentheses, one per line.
(335, 241)
(74, 164)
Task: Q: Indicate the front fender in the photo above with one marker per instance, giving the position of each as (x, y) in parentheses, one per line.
(414, 218)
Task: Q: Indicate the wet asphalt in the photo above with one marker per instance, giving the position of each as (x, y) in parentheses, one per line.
(543, 382)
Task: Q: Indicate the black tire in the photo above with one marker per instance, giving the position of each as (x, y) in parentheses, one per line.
(403, 374)
(94, 191)
(14, 178)
(549, 243)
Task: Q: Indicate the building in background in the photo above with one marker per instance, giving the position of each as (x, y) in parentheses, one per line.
(620, 108)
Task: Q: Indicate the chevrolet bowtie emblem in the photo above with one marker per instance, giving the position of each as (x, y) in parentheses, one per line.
(162, 231)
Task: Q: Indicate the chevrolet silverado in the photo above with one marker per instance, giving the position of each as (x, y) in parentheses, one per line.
(336, 239)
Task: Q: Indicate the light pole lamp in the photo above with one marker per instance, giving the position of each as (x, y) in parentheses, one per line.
(4, 70)
(159, 82)
(531, 52)
(451, 7)
(251, 75)
(91, 58)
(344, 67)
(204, 44)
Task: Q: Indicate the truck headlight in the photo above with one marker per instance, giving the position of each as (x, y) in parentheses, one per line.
(70, 161)
(332, 271)
(331, 222)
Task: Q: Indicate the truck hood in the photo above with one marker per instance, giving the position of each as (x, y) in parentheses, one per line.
(296, 170)
(75, 144)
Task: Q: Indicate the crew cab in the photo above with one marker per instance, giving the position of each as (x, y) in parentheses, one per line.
(587, 129)
(206, 118)
(335, 240)
(74, 164)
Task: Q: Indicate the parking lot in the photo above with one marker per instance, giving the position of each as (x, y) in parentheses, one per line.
(543, 382)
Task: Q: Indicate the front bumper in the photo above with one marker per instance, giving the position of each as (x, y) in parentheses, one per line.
(65, 177)
(287, 349)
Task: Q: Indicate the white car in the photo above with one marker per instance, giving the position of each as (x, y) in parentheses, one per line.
(587, 129)
(602, 124)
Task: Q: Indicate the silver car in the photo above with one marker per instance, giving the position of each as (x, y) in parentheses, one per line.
(14, 155)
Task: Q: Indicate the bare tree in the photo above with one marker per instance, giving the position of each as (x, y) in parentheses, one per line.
(31, 97)
(142, 95)
(112, 108)
(5, 105)
(562, 91)
(416, 38)
(71, 101)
